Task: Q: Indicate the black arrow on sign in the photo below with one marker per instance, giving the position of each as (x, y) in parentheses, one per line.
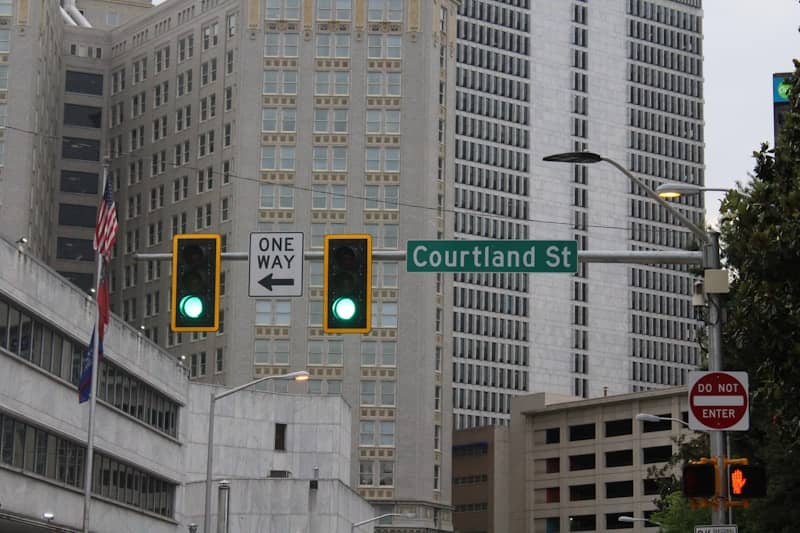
(268, 282)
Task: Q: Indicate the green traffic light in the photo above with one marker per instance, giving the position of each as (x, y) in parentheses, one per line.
(344, 308)
(191, 306)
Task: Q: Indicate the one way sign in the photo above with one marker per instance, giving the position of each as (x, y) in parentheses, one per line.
(276, 264)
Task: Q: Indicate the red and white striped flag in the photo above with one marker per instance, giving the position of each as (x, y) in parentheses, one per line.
(105, 234)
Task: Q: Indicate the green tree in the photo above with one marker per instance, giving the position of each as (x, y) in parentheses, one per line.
(760, 226)
(678, 516)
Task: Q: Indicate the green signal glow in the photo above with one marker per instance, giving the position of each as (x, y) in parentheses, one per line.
(191, 306)
(344, 308)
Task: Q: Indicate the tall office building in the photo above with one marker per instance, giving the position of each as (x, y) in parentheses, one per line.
(619, 77)
(491, 321)
(235, 116)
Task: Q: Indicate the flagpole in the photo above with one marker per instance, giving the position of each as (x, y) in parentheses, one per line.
(87, 481)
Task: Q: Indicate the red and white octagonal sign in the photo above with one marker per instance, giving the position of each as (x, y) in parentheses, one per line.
(718, 401)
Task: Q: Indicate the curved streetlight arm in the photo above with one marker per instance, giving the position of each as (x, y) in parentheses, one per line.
(376, 518)
(630, 519)
(647, 417)
(298, 375)
(290, 375)
(652, 194)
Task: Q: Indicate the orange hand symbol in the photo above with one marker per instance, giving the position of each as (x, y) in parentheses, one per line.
(738, 481)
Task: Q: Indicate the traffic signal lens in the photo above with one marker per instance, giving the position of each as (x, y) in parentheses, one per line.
(191, 306)
(747, 481)
(344, 308)
(345, 258)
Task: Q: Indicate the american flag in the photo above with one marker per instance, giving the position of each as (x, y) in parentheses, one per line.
(105, 234)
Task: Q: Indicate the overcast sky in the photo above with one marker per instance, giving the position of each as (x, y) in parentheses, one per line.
(745, 42)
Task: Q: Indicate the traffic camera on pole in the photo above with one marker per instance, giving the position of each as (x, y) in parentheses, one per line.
(195, 282)
(347, 284)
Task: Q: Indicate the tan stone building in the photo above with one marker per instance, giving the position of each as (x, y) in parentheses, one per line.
(565, 464)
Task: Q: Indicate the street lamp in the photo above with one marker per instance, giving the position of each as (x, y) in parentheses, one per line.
(647, 417)
(376, 518)
(300, 375)
(710, 240)
(676, 190)
(631, 519)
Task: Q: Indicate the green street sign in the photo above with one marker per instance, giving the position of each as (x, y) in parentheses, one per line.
(492, 256)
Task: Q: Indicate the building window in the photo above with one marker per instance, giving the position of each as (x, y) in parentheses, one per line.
(330, 121)
(381, 10)
(336, 45)
(330, 158)
(383, 121)
(271, 352)
(280, 82)
(279, 119)
(384, 83)
(382, 46)
(276, 196)
(280, 44)
(273, 312)
(336, 83)
(283, 10)
(277, 157)
(334, 9)
(280, 437)
(382, 159)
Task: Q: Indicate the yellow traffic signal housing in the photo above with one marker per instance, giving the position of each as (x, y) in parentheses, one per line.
(195, 282)
(347, 283)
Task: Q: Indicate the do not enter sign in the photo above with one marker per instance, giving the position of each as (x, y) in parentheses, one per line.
(718, 401)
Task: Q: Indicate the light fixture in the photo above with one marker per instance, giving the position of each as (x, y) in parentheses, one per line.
(22, 240)
(48, 516)
(300, 375)
(647, 417)
(676, 190)
(574, 157)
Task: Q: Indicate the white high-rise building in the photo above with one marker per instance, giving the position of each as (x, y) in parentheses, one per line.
(236, 116)
(622, 78)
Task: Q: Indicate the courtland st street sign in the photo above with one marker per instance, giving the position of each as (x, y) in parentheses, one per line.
(492, 256)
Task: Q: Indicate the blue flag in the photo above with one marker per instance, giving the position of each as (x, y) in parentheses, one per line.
(85, 384)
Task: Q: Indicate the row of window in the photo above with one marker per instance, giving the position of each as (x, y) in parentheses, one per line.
(667, 15)
(490, 301)
(517, 43)
(492, 131)
(277, 313)
(331, 158)
(670, 169)
(40, 452)
(492, 179)
(489, 402)
(613, 428)
(493, 351)
(513, 281)
(486, 59)
(666, 351)
(492, 204)
(332, 83)
(490, 227)
(284, 120)
(338, 10)
(476, 374)
(504, 17)
(660, 374)
(333, 45)
(491, 107)
(34, 340)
